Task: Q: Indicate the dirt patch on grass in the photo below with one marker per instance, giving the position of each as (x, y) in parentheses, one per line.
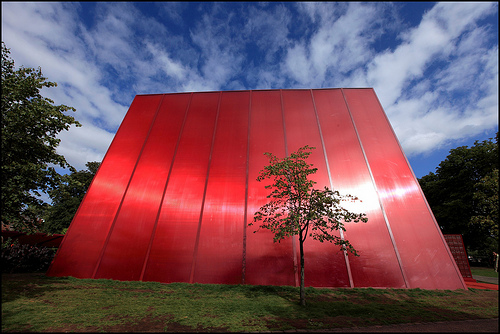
(405, 307)
(340, 321)
(147, 324)
(71, 328)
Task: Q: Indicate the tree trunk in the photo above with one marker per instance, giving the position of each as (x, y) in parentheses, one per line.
(302, 288)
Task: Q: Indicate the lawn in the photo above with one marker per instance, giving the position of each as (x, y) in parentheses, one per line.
(483, 271)
(37, 303)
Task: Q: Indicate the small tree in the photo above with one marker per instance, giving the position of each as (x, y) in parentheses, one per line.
(296, 208)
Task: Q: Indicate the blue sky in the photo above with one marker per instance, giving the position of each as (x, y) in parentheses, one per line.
(434, 66)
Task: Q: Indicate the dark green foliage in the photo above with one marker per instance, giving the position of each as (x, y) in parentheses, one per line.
(463, 195)
(30, 124)
(486, 204)
(66, 198)
(17, 258)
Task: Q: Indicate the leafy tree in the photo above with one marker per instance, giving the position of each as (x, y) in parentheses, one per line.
(66, 198)
(485, 218)
(30, 124)
(460, 190)
(296, 208)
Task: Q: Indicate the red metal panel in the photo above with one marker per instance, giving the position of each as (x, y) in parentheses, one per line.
(425, 258)
(169, 201)
(324, 263)
(36, 239)
(81, 247)
(377, 265)
(128, 240)
(172, 250)
(265, 262)
(457, 248)
(220, 247)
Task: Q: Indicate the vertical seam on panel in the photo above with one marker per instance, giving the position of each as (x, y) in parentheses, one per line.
(153, 233)
(283, 121)
(386, 220)
(245, 219)
(294, 241)
(198, 232)
(346, 258)
(425, 199)
(103, 250)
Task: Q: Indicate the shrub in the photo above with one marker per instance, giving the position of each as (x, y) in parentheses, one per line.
(17, 258)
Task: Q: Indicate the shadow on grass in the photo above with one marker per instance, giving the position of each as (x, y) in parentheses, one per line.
(216, 306)
(345, 308)
(30, 285)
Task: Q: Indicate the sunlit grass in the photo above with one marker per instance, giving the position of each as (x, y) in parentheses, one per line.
(481, 271)
(56, 304)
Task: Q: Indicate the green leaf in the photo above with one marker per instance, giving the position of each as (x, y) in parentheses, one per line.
(30, 124)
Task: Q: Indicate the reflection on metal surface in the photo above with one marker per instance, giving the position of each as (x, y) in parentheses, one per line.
(398, 192)
(177, 188)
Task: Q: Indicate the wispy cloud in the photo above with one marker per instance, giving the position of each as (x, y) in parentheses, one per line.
(436, 75)
(339, 45)
(48, 35)
(424, 86)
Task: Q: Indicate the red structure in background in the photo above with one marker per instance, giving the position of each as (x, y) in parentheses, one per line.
(35, 239)
(174, 194)
(457, 248)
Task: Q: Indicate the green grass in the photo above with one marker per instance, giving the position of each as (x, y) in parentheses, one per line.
(37, 303)
(482, 271)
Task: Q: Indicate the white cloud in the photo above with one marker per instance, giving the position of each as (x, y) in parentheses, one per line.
(417, 81)
(172, 11)
(163, 61)
(433, 39)
(220, 56)
(320, 11)
(390, 72)
(83, 144)
(46, 35)
(298, 64)
(339, 44)
(443, 117)
(438, 80)
(257, 30)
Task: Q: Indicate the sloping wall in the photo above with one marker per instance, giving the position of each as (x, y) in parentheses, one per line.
(177, 187)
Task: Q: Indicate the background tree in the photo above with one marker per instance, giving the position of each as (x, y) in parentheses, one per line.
(296, 208)
(464, 187)
(30, 124)
(66, 198)
(485, 216)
